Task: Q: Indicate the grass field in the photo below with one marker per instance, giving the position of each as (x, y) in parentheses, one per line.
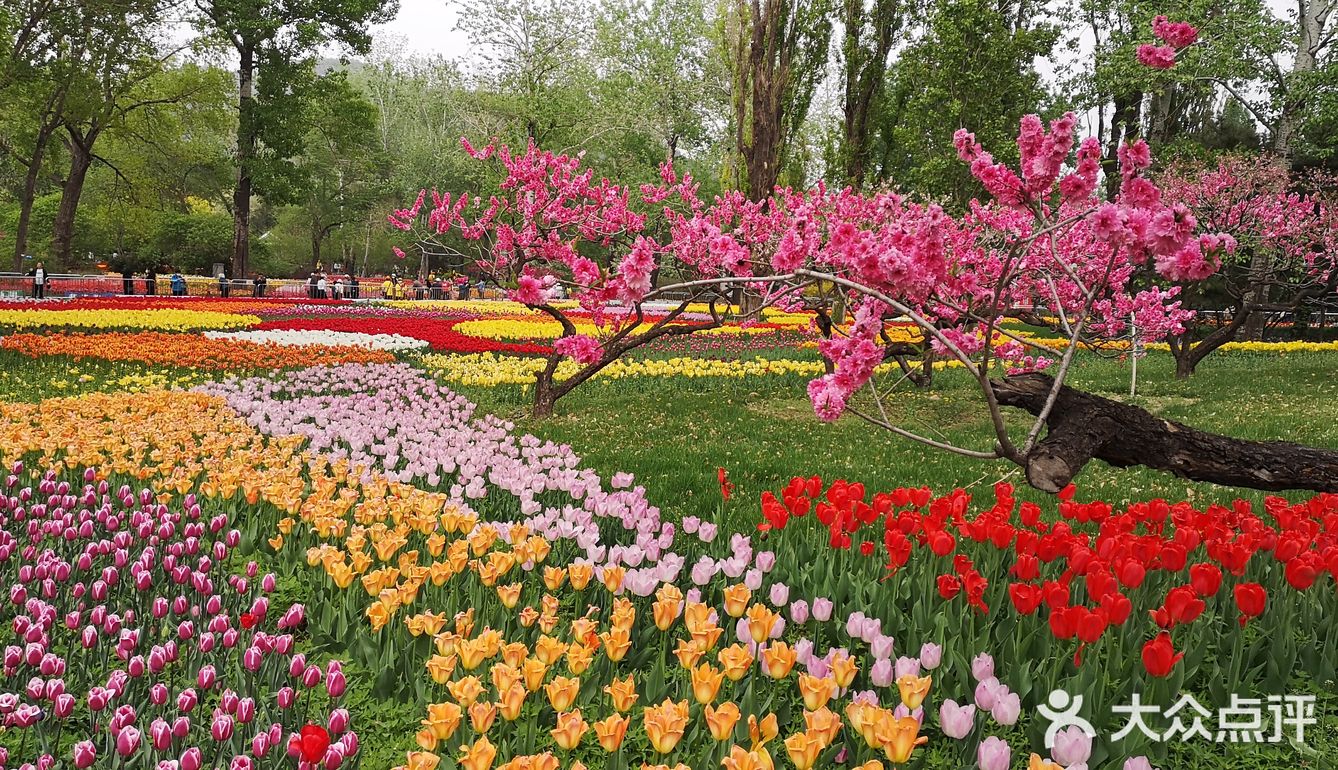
(674, 434)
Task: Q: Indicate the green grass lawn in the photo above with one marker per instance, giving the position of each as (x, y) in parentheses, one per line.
(673, 434)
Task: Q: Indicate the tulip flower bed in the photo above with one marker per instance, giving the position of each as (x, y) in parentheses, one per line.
(157, 319)
(139, 639)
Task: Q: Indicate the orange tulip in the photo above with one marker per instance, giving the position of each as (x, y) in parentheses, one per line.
(816, 691)
(481, 715)
(689, 652)
(778, 659)
(613, 578)
(472, 653)
(528, 616)
(913, 690)
(762, 732)
(843, 670)
(562, 692)
(570, 729)
(534, 671)
(509, 594)
(665, 613)
(899, 739)
(738, 759)
(698, 617)
(706, 683)
(760, 622)
(579, 658)
(804, 749)
(823, 722)
(514, 654)
(616, 643)
(549, 650)
(466, 690)
(611, 730)
(511, 701)
(665, 724)
(623, 693)
(735, 660)
(425, 739)
(736, 600)
(721, 721)
(580, 575)
(479, 755)
(554, 577)
(443, 719)
(440, 668)
(1036, 763)
(421, 760)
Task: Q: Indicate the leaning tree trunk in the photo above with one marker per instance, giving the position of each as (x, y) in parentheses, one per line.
(1084, 427)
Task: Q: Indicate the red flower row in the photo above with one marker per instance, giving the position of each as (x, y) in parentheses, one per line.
(1090, 573)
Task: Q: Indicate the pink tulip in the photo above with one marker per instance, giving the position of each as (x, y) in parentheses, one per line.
(335, 684)
(982, 667)
(311, 677)
(338, 722)
(158, 694)
(127, 741)
(1072, 746)
(85, 754)
(64, 706)
(260, 745)
(186, 700)
(994, 754)
(160, 734)
(285, 697)
(956, 721)
(191, 759)
(207, 677)
(221, 728)
(1007, 707)
(822, 610)
(180, 727)
(931, 655)
(246, 710)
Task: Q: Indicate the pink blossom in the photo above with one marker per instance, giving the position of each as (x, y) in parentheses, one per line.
(1161, 57)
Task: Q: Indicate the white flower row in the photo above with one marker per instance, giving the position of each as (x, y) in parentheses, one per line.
(323, 337)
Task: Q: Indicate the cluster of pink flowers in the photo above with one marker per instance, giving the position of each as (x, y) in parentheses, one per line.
(1175, 36)
(125, 623)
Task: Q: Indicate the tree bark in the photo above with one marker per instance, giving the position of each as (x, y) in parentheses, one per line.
(81, 159)
(26, 200)
(246, 150)
(1084, 427)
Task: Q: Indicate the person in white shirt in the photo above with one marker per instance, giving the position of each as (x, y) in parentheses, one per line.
(39, 282)
(321, 286)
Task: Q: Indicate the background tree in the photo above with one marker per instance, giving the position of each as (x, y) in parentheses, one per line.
(273, 41)
(868, 36)
(973, 65)
(776, 52)
(340, 165)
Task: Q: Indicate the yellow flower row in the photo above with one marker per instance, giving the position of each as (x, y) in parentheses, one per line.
(158, 320)
(482, 307)
(490, 370)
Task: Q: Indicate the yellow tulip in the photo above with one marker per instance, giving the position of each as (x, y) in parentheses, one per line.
(479, 755)
(580, 575)
(510, 701)
(778, 659)
(760, 622)
(899, 737)
(803, 749)
(509, 594)
(466, 690)
(913, 690)
(481, 715)
(816, 691)
(843, 670)
(736, 661)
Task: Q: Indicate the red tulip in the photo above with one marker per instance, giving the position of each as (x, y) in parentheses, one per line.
(1206, 579)
(1250, 600)
(941, 543)
(315, 740)
(948, 586)
(1159, 657)
(1301, 574)
(1026, 597)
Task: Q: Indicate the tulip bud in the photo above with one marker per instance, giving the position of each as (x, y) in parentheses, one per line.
(246, 710)
(207, 677)
(127, 741)
(221, 728)
(338, 722)
(191, 759)
(180, 727)
(285, 697)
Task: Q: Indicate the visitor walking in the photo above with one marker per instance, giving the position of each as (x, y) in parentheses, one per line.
(321, 286)
(127, 281)
(338, 288)
(151, 282)
(178, 284)
(353, 287)
(39, 281)
(223, 285)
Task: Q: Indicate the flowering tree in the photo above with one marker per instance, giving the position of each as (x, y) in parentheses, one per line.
(1285, 256)
(555, 231)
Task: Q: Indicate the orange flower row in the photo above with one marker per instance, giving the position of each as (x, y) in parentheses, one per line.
(188, 350)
